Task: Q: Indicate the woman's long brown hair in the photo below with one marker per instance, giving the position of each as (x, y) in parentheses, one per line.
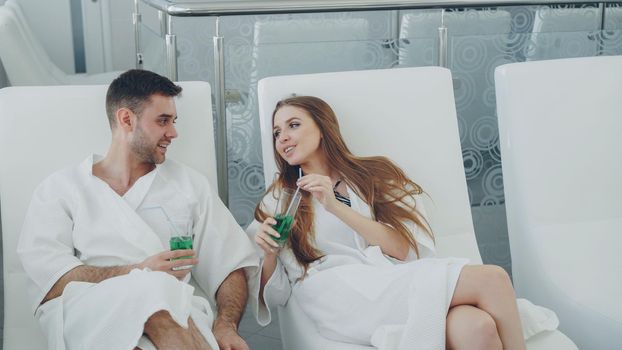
(377, 180)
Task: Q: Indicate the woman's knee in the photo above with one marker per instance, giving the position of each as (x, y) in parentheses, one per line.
(485, 333)
(495, 276)
(470, 328)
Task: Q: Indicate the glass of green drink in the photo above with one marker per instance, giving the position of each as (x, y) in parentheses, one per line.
(285, 213)
(181, 241)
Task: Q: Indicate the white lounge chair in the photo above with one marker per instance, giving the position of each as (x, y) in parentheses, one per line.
(25, 60)
(560, 123)
(408, 115)
(564, 32)
(43, 129)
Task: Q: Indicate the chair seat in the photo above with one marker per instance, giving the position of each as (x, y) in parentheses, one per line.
(600, 253)
(581, 277)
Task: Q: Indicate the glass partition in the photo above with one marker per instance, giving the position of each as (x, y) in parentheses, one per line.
(478, 40)
(152, 39)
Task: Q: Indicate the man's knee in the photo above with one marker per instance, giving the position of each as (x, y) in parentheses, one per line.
(138, 285)
(160, 318)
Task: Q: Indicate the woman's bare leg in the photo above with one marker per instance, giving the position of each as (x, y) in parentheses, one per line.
(470, 328)
(488, 287)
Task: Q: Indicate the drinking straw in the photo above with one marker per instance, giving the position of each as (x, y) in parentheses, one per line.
(167, 218)
(295, 193)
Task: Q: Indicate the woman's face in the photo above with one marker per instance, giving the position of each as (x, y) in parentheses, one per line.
(297, 136)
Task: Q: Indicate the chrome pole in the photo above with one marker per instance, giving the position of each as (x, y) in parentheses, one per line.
(136, 19)
(221, 116)
(442, 42)
(601, 37)
(171, 50)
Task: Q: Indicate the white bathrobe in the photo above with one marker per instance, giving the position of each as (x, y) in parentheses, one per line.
(355, 291)
(355, 294)
(76, 219)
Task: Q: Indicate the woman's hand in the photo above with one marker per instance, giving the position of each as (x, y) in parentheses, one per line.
(321, 187)
(263, 238)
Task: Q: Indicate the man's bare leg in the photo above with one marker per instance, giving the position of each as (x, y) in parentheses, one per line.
(166, 334)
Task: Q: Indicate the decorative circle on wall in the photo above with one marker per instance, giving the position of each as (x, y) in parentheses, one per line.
(187, 58)
(239, 49)
(233, 170)
(473, 162)
(483, 132)
(515, 43)
(489, 97)
(469, 54)
(494, 149)
(493, 181)
(522, 19)
(372, 55)
(252, 180)
(463, 130)
(489, 201)
(464, 89)
(611, 42)
(239, 142)
(577, 45)
(243, 210)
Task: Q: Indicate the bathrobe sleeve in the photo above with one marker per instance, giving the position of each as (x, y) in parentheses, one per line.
(221, 245)
(277, 290)
(46, 246)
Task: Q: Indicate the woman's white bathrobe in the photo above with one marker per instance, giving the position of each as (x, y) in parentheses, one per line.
(354, 292)
(76, 219)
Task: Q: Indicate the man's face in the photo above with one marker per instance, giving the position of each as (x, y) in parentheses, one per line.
(155, 129)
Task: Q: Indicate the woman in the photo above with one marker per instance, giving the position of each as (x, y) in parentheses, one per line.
(360, 253)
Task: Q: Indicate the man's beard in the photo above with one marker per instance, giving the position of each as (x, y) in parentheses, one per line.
(143, 149)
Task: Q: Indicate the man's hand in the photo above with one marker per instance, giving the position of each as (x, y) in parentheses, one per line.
(230, 299)
(162, 262)
(228, 338)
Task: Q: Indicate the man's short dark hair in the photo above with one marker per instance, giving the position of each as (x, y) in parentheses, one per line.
(135, 87)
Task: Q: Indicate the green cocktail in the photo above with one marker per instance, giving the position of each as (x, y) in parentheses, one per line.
(283, 227)
(181, 242)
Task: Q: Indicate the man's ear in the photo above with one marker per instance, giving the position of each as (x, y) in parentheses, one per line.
(125, 118)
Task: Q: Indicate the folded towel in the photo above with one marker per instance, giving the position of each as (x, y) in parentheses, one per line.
(535, 319)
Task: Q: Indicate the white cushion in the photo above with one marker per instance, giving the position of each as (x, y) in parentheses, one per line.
(560, 128)
(43, 129)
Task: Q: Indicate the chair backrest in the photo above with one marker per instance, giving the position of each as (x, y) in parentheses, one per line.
(564, 32)
(43, 129)
(23, 62)
(419, 35)
(310, 45)
(31, 39)
(406, 114)
(559, 126)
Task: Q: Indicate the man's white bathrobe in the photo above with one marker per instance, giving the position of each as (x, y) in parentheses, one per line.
(355, 294)
(76, 219)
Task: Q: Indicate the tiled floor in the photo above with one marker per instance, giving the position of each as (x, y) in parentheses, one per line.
(261, 338)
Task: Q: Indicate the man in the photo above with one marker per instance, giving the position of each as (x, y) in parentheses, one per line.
(95, 240)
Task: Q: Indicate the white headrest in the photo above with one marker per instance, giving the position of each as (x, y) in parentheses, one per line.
(406, 114)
